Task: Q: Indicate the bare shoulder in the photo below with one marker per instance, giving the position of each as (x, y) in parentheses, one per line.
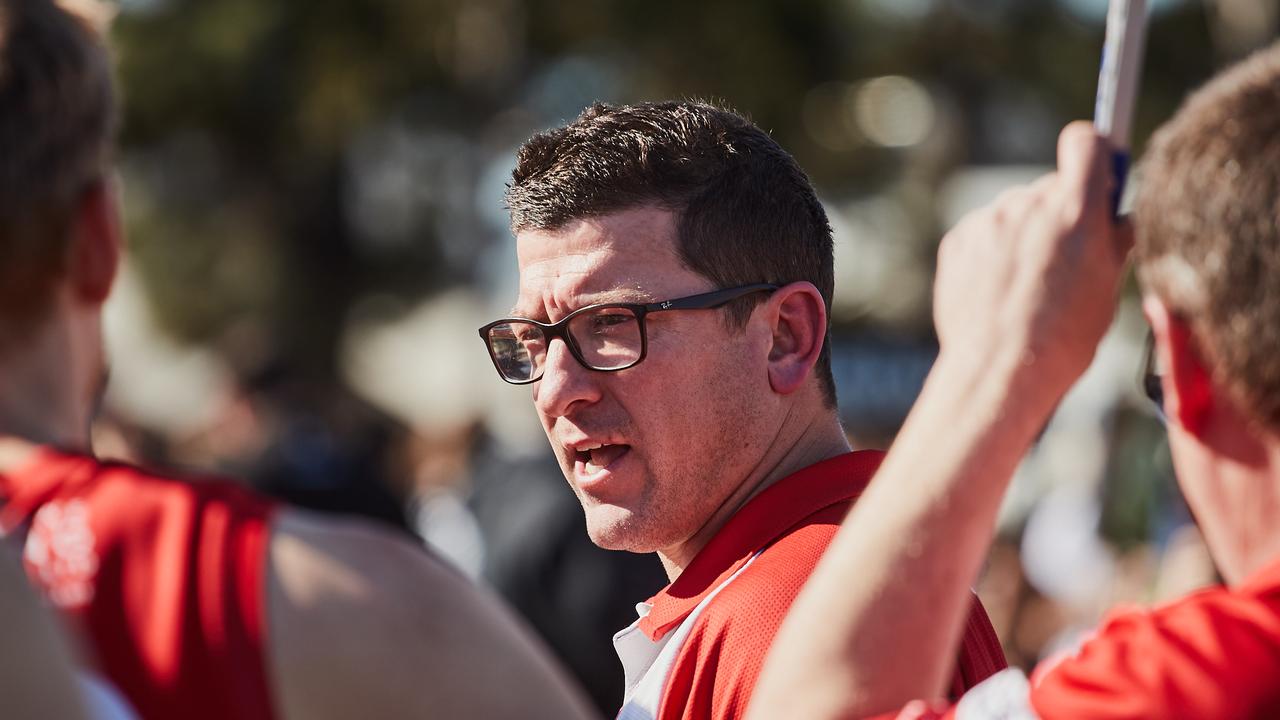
(363, 622)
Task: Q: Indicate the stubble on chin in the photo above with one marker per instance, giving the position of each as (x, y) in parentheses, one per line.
(614, 528)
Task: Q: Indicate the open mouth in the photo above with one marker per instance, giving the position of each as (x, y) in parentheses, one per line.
(590, 461)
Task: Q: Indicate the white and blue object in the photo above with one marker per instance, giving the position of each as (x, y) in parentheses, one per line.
(1118, 84)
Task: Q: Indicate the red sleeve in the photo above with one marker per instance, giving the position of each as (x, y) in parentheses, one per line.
(1215, 654)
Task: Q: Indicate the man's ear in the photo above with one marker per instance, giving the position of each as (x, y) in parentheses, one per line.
(95, 242)
(1188, 383)
(798, 320)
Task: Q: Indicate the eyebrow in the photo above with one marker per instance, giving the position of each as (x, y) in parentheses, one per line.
(618, 295)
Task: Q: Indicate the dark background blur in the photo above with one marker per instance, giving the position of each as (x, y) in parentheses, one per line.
(313, 201)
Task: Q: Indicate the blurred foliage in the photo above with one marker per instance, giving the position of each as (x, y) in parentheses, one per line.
(287, 158)
(1140, 498)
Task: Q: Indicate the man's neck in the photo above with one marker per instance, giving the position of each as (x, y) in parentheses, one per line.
(1229, 471)
(821, 439)
(1239, 517)
(40, 400)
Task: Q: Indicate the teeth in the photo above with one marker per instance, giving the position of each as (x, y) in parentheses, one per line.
(589, 448)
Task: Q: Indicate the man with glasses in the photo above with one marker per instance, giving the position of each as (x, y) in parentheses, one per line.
(672, 320)
(1025, 290)
(197, 599)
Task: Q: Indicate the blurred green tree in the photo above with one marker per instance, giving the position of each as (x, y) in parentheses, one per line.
(285, 158)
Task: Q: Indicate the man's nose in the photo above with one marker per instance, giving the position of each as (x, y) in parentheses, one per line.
(565, 382)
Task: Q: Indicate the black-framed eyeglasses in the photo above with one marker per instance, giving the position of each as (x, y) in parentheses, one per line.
(607, 337)
(1151, 384)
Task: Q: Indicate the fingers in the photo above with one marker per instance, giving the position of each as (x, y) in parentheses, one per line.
(1085, 170)
(1084, 162)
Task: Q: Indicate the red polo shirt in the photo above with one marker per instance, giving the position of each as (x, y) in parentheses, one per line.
(1212, 654)
(705, 635)
(1215, 653)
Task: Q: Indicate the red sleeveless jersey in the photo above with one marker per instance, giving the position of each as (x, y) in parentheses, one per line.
(164, 579)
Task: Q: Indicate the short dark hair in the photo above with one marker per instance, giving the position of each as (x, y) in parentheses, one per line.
(1208, 227)
(57, 122)
(746, 212)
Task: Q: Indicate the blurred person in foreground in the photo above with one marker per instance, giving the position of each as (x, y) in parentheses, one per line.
(196, 599)
(675, 279)
(37, 677)
(1025, 290)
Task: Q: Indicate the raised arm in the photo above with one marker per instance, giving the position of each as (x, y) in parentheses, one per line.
(1025, 289)
(366, 624)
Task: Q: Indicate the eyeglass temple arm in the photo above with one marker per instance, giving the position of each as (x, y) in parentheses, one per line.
(712, 299)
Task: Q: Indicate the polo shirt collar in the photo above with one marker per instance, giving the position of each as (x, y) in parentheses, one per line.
(764, 519)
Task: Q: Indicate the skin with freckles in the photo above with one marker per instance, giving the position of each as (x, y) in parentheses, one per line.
(694, 430)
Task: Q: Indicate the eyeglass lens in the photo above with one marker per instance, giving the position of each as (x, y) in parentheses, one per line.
(607, 338)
